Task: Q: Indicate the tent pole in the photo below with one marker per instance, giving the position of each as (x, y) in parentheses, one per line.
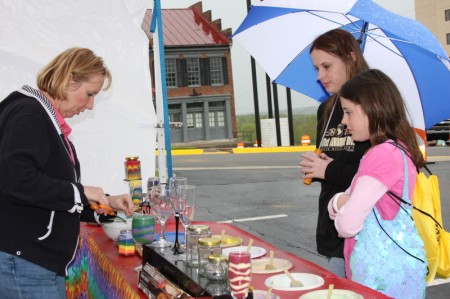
(163, 125)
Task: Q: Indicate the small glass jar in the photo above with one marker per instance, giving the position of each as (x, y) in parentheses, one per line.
(193, 234)
(217, 268)
(126, 243)
(206, 247)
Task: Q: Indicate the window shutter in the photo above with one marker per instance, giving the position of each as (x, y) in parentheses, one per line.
(181, 72)
(225, 70)
(205, 72)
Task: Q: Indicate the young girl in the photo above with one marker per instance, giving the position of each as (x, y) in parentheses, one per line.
(382, 247)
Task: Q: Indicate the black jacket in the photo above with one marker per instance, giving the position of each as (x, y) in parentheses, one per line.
(347, 154)
(37, 180)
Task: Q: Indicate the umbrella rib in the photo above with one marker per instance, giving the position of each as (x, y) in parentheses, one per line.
(369, 32)
(375, 38)
(328, 19)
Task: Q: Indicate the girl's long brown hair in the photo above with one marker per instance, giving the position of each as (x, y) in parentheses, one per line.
(342, 44)
(383, 104)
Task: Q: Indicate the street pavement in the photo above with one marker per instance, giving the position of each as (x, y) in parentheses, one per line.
(262, 193)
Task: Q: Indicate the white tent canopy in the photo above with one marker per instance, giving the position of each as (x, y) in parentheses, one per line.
(122, 123)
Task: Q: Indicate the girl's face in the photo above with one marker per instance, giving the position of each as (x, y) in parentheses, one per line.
(356, 120)
(80, 96)
(331, 70)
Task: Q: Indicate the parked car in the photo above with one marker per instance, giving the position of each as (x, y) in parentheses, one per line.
(440, 131)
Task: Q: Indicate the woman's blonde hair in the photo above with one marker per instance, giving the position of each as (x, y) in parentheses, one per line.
(74, 64)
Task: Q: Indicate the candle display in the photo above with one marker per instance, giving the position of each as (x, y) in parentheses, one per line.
(132, 168)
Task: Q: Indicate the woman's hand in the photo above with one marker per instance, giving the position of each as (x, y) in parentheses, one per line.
(105, 204)
(314, 165)
(121, 202)
(98, 200)
(95, 195)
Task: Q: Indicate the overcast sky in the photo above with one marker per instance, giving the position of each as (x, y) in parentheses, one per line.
(232, 12)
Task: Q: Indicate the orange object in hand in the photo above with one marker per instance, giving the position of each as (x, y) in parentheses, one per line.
(308, 181)
(96, 207)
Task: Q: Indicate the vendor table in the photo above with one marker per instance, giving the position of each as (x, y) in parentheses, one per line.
(98, 271)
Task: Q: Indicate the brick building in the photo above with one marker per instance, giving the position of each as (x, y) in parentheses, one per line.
(198, 74)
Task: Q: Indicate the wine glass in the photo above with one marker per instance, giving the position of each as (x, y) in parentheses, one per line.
(161, 207)
(239, 273)
(174, 183)
(187, 206)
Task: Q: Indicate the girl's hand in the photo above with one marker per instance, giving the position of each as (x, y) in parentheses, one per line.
(314, 165)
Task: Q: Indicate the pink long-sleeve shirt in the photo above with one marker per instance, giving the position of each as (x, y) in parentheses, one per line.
(381, 169)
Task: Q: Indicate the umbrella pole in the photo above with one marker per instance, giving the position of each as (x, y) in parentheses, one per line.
(362, 36)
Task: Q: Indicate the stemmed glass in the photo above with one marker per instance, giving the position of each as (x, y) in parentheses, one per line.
(187, 206)
(174, 183)
(161, 207)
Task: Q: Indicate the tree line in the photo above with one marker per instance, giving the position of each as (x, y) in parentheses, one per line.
(303, 125)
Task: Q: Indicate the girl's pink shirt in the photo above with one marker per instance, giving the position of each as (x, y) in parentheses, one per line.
(383, 163)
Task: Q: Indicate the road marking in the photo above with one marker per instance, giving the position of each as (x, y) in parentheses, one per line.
(438, 281)
(438, 158)
(254, 218)
(235, 168)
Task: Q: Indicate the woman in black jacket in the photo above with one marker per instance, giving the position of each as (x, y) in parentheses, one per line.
(41, 198)
(337, 57)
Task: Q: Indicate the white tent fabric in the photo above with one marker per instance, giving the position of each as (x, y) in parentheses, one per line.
(122, 123)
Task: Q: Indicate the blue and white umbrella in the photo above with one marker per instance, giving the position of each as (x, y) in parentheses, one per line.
(278, 34)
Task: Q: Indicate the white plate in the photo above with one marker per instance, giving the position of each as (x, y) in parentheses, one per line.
(254, 251)
(337, 294)
(258, 294)
(259, 266)
(283, 283)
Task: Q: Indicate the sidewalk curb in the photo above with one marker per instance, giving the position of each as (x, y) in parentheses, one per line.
(182, 152)
(247, 150)
(281, 149)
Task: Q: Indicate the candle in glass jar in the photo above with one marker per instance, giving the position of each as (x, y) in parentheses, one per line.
(126, 243)
(132, 168)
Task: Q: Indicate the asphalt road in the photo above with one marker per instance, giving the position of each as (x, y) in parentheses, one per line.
(262, 193)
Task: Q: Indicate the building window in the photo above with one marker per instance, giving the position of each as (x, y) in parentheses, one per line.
(448, 38)
(193, 71)
(199, 120)
(175, 117)
(220, 119)
(212, 119)
(194, 120)
(171, 73)
(215, 64)
(447, 15)
(217, 119)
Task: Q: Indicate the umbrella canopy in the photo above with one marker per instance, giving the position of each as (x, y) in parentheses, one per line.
(278, 34)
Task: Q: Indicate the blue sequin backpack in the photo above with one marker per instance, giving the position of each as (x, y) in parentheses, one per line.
(389, 256)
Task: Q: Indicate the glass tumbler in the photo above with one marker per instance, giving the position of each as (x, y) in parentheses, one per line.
(239, 273)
